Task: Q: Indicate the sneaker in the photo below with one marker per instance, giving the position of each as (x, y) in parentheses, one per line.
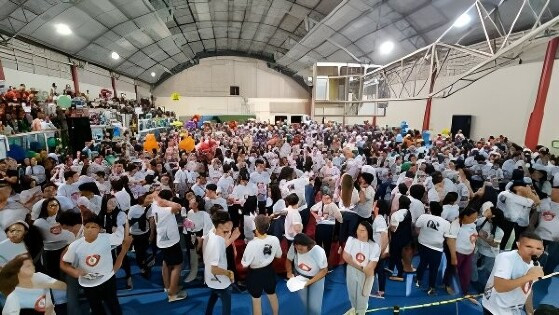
(181, 295)
(417, 284)
(129, 284)
(431, 292)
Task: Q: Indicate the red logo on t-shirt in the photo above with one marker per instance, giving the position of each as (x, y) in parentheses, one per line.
(360, 257)
(41, 303)
(56, 229)
(548, 215)
(92, 260)
(527, 287)
(304, 267)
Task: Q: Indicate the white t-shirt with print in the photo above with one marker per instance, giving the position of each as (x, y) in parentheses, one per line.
(94, 258)
(260, 252)
(508, 265)
(362, 252)
(202, 221)
(548, 225)
(309, 263)
(32, 299)
(465, 235)
(54, 237)
(433, 230)
(166, 226)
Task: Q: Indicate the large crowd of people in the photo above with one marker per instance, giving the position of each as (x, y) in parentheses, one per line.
(373, 197)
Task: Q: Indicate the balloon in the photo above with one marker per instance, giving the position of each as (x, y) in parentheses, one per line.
(30, 154)
(150, 143)
(176, 123)
(187, 144)
(64, 101)
(51, 142)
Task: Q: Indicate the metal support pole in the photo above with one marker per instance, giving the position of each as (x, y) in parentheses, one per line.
(74, 70)
(113, 82)
(136, 91)
(313, 96)
(433, 75)
(2, 77)
(536, 117)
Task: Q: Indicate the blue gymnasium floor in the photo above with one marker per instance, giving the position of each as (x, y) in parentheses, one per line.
(148, 297)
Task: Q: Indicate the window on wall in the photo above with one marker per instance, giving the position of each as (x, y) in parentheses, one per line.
(233, 90)
(321, 88)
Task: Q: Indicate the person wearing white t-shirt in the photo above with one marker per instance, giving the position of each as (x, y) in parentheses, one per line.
(462, 243)
(258, 258)
(489, 238)
(49, 191)
(198, 223)
(142, 229)
(364, 207)
(517, 203)
(216, 275)
(89, 259)
(310, 262)
(14, 244)
(55, 239)
(293, 222)
(31, 293)
(510, 282)
(433, 232)
(168, 240)
(361, 255)
(326, 213)
(69, 189)
(450, 208)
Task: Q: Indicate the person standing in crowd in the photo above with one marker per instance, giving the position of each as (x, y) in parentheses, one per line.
(433, 232)
(197, 225)
(401, 227)
(142, 229)
(512, 277)
(94, 265)
(258, 258)
(168, 241)
(361, 255)
(293, 222)
(216, 275)
(310, 262)
(27, 291)
(488, 241)
(326, 213)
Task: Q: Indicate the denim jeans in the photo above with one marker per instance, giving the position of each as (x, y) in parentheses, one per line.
(225, 296)
(311, 297)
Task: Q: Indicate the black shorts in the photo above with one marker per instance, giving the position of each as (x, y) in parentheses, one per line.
(261, 279)
(172, 255)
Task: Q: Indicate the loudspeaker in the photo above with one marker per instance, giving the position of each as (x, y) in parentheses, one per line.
(461, 122)
(79, 131)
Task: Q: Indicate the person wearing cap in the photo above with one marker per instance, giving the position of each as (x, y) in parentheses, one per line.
(517, 203)
(258, 257)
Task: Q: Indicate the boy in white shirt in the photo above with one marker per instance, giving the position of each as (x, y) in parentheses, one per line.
(258, 258)
(89, 259)
(216, 275)
(510, 282)
(293, 221)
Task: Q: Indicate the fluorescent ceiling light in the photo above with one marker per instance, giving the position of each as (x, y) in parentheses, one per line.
(153, 74)
(386, 47)
(115, 55)
(63, 29)
(462, 20)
